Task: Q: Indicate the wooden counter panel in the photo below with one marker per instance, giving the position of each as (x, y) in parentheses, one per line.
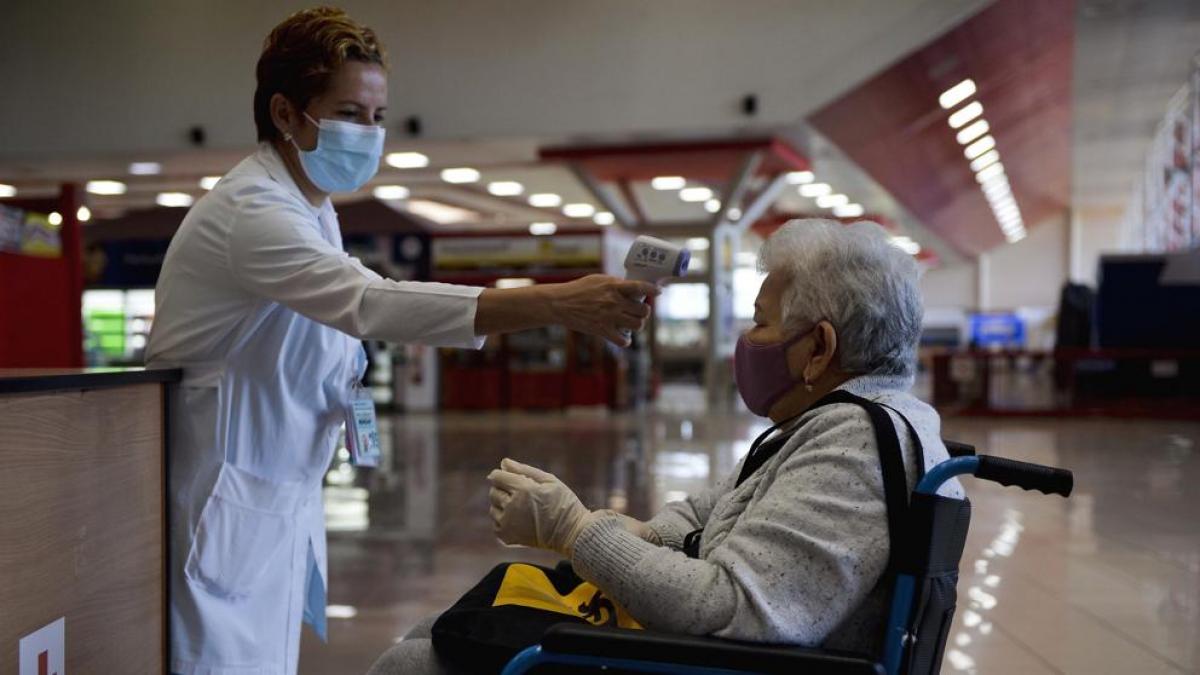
(81, 496)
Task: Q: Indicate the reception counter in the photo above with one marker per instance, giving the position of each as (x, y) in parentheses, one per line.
(82, 520)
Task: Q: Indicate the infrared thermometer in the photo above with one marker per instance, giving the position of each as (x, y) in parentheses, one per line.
(654, 260)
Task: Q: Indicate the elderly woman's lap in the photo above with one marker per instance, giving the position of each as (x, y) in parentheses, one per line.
(414, 655)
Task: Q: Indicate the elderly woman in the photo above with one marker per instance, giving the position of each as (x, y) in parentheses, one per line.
(795, 551)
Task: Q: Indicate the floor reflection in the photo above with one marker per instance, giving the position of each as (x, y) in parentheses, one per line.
(1108, 581)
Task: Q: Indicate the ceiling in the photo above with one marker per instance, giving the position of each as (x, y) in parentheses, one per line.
(1018, 53)
(1055, 77)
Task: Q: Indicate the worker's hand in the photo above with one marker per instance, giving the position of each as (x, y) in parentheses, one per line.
(533, 508)
(634, 526)
(602, 305)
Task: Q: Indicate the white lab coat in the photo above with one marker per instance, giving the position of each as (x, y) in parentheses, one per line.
(263, 310)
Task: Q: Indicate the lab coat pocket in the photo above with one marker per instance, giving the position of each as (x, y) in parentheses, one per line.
(246, 529)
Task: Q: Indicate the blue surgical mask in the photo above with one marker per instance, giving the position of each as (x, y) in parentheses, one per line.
(346, 157)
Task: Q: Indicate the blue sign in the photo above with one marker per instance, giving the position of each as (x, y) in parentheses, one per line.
(1001, 329)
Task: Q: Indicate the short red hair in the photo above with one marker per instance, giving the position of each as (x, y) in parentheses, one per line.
(302, 53)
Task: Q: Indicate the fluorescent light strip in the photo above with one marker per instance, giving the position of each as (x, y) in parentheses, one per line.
(985, 160)
(979, 147)
(972, 132)
(800, 177)
(542, 229)
(957, 94)
(965, 114)
(604, 218)
(848, 211)
(988, 173)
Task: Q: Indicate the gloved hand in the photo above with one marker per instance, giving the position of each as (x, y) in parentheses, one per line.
(531, 507)
(634, 526)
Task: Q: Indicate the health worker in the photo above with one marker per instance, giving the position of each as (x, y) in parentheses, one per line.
(264, 312)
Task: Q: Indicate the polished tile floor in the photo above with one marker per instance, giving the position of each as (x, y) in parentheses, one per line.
(1105, 582)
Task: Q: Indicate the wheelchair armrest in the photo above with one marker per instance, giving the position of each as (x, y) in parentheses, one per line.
(641, 645)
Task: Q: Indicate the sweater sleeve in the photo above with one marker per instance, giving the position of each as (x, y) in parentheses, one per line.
(677, 519)
(793, 565)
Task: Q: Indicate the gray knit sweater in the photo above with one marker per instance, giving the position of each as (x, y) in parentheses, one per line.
(793, 555)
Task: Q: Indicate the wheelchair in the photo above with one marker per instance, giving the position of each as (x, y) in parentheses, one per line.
(923, 599)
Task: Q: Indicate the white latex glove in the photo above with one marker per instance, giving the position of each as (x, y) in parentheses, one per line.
(531, 507)
(632, 525)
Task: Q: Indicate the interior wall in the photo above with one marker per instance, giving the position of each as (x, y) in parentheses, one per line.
(120, 78)
(1031, 272)
(951, 287)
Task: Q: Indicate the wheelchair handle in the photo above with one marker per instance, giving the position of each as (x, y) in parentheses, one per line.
(1045, 479)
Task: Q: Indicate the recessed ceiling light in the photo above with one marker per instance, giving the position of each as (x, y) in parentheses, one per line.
(979, 147)
(579, 210)
(815, 189)
(957, 94)
(712, 205)
(83, 214)
(965, 114)
(209, 182)
(459, 175)
(506, 188)
(406, 160)
(545, 200)
(986, 159)
(145, 168)
(174, 199)
(106, 187)
(800, 177)
(7, 190)
(604, 218)
(668, 182)
(989, 172)
(972, 131)
(734, 214)
(542, 229)
(848, 211)
(55, 218)
(390, 192)
(1015, 237)
(695, 194)
(698, 244)
(831, 201)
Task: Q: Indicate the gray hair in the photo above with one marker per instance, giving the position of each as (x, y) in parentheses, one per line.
(854, 278)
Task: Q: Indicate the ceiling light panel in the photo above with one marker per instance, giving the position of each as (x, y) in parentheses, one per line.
(972, 131)
(957, 94)
(965, 114)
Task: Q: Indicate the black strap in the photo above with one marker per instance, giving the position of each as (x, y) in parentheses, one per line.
(891, 462)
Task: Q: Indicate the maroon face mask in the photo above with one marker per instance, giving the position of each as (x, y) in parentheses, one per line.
(761, 373)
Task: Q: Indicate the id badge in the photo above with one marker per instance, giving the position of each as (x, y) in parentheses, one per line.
(362, 432)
